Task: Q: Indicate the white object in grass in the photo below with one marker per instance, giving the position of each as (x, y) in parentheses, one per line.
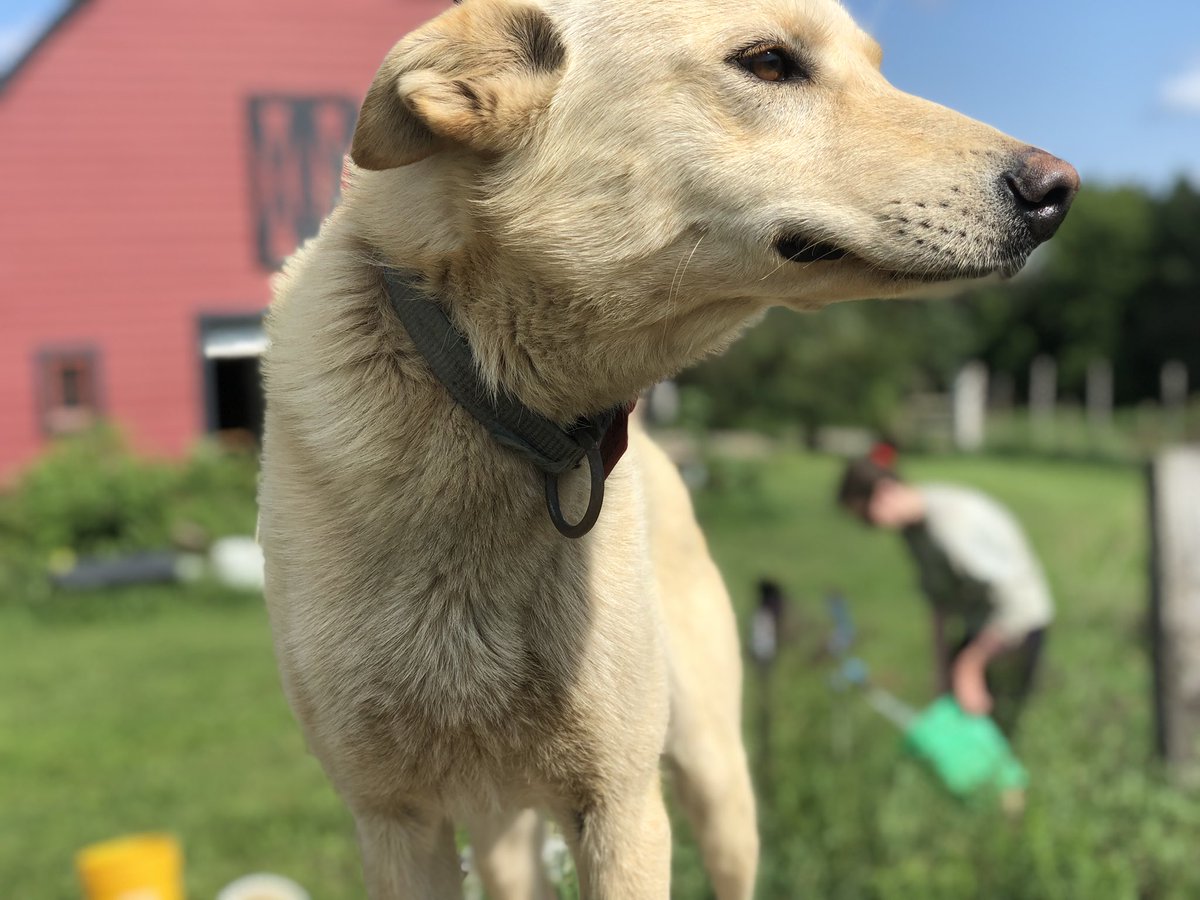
(238, 563)
(263, 887)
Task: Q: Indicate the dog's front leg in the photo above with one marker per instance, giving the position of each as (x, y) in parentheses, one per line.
(622, 845)
(508, 855)
(409, 857)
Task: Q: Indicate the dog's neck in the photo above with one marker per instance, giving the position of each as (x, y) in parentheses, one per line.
(562, 350)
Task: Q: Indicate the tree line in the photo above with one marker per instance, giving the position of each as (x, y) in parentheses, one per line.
(1120, 282)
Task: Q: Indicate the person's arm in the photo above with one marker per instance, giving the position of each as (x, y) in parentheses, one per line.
(988, 546)
(970, 668)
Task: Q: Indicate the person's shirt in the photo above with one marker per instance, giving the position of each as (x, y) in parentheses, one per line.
(973, 561)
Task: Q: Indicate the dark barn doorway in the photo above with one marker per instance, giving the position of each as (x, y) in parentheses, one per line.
(231, 347)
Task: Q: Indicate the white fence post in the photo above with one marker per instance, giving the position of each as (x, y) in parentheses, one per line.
(1002, 391)
(662, 403)
(970, 406)
(1173, 382)
(1100, 394)
(1173, 387)
(1175, 604)
(1043, 394)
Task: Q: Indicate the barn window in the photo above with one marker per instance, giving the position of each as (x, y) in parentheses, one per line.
(69, 389)
(296, 148)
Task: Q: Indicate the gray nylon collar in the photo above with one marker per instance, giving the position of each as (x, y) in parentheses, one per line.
(551, 448)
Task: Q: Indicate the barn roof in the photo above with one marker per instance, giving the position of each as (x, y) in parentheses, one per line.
(54, 27)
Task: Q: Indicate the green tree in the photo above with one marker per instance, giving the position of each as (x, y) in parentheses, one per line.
(851, 364)
(1161, 318)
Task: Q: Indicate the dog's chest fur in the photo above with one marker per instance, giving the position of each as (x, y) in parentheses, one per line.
(429, 619)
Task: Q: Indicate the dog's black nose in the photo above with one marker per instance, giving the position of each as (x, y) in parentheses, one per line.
(1042, 186)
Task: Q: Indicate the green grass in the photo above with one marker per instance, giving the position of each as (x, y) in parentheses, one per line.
(161, 709)
(843, 814)
(164, 714)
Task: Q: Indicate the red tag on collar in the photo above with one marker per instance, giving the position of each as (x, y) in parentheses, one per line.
(616, 439)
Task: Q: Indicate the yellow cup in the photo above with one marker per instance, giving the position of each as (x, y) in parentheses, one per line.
(138, 867)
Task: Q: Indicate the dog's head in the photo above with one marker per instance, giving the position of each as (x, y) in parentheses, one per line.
(704, 158)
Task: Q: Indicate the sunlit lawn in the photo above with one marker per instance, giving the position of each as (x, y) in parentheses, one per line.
(160, 709)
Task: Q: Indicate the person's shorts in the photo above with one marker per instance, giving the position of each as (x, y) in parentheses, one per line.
(1011, 677)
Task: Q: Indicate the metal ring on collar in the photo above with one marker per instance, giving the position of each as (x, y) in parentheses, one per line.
(595, 498)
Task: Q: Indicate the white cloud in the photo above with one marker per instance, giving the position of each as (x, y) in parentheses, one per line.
(1181, 93)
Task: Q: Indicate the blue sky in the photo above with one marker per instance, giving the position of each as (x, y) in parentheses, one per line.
(20, 22)
(1113, 87)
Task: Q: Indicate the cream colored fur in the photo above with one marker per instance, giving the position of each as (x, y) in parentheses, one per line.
(593, 189)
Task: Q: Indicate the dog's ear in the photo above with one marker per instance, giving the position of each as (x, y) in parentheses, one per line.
(476, 76)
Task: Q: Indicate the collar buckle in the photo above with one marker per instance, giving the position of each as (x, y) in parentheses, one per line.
(591, 450)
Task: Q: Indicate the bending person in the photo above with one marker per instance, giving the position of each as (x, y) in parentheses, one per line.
(990, 601)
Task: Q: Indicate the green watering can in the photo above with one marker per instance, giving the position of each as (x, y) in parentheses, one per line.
(967, 753)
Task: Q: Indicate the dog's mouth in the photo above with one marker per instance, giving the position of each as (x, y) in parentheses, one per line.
(803, 249)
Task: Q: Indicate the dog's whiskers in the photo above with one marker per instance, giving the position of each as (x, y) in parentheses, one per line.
(677, 282)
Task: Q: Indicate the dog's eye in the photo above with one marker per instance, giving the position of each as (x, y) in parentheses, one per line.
(773, 64)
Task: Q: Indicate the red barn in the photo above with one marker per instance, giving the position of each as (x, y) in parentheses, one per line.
(157, 161)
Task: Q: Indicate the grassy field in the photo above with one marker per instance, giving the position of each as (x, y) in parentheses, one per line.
(160, 709)
(843, 816)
